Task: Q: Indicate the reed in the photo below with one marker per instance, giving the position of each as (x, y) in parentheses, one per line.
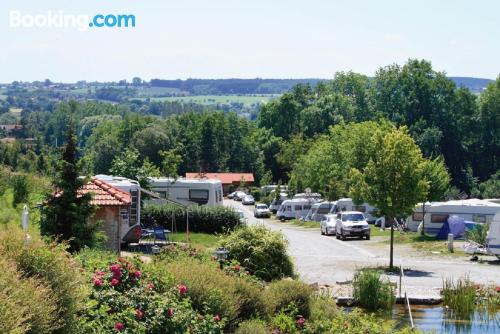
(371, 291)
(460, 296)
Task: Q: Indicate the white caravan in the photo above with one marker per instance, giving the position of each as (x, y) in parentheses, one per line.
(186, 191)
(436, 213)
(132, 232)
(346, 204)
(294, 208)
(493, 238)
(275, 204)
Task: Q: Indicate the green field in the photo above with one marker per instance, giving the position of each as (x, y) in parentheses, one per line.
(247, 100)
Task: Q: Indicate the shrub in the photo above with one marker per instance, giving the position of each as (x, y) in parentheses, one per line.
(260, 250)
(283, 323)
(322, 308)
(27, 304)
(286, 295)
(51, 265)
(20, 186)
(211, 290)
(460, 296)
(206, 219)
(479, 233)
(254, 326)
(371, 291)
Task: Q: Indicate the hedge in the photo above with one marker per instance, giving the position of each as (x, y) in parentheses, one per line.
(206, 219)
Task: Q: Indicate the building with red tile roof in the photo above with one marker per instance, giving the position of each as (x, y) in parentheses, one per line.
(229, 180)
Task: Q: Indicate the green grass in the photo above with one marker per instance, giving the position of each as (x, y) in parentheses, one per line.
(217, 99)
(376, 232)
(423, 243)
(302, 223)
(197, 240)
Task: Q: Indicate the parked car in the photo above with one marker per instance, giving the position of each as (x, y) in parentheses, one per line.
(231, 195)
(247, 200)
(351, 224)
(327, 225)
(239, 196)
(241, 214)
(261, 210)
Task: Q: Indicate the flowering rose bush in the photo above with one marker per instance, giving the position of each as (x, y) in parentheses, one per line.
(123, 300)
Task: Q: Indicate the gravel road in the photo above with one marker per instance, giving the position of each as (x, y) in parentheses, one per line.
(326, 260)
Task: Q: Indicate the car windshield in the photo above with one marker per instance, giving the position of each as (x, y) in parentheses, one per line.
(249, 197)
(354, 217)
(261, 206)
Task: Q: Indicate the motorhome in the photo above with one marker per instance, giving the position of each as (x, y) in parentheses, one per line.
(133, 231)
(346, 204)
(294, 208)
(493, 238)
(318, 211)
(434, 214)
(314, 196)
(186, 191)
(276, 203)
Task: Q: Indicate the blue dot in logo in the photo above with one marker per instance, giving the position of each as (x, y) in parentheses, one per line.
(91, 24)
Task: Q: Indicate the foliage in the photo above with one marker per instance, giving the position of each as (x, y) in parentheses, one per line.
(254, 326)
(51, 269)
(20, 187)
(478, 233)
(122, 300)
(130, 165)
(66, 214)
(439, 179)
(260, 250)
(489, 188)
(205, 219)
(283, 294)
(460, 296)
(371, 291)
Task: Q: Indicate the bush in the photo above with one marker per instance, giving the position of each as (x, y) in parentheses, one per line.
(254, 326)
(206, 219)
(260, 250)
(286, 295)
(27, 304)
(212, 290)
(322, 308)
(371, 292)
(479, 233)
(52, 266)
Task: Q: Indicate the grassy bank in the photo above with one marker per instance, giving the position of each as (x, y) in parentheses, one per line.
(197, 240)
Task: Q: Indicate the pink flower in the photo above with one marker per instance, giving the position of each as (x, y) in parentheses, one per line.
(301, 321)
(170, 312)
(497, 288)
(100, 273)
(237, 268)
(182, 289)
(114, 282)
(115, 268)
(117, 274)
(97, 281)
(137, 274)
(151, 286)
(119, 326)
(139, 314)
(217, 318)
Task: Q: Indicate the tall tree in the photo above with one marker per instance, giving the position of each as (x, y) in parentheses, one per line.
(66, 215)
(393, 180)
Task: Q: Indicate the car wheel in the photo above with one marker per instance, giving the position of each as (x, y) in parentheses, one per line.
(342, 235)
(321, 229)
(368, 237)
(282, 218)
(337, 236)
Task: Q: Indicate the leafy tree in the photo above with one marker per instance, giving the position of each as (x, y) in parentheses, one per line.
(130, 165)
(20, 186)
(66, 215)
(393, 180)
(436, 173)
(170, 163)
(489, 188)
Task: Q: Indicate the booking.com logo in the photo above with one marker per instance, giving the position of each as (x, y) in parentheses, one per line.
(59, 19)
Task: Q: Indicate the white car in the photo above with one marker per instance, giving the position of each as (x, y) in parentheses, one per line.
(327, 225)
(241, 214)
(247, 200)
(261, 210)
(351, 224)
(239, 196)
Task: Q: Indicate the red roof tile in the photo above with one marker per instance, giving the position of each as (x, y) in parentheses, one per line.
(225, 178)
(103, 194)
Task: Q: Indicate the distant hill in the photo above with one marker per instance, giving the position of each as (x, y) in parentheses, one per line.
(271, 86)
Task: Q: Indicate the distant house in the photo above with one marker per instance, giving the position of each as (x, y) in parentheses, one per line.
(229, 180)
(113, 209)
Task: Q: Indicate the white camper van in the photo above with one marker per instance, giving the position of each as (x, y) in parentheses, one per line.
(493, 238)
(294, 208)
(133, 232)
(275, 204)
(436, 213)
(187, 191)
(346, 204)
(318, 211)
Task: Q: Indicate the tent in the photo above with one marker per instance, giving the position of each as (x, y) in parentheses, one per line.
(454, 225)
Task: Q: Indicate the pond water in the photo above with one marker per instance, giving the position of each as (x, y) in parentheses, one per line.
(438, 320)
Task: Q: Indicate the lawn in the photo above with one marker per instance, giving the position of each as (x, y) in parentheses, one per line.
(197, 240)
(302, 223)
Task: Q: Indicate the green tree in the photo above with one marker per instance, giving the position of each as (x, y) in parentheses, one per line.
(393, 180)
(66, 216)
(170, 163)
(20, 185)
(130, 165)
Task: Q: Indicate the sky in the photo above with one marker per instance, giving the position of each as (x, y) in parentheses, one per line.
(249, 39)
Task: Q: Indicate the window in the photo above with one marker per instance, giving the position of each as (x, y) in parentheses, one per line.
(360, 208)
(307, 207)
(438, 218)
(417, 216)
(322, 210)
(479, 218)
(199, 196)
(288, 208)
(353, 217)
(298, 208)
